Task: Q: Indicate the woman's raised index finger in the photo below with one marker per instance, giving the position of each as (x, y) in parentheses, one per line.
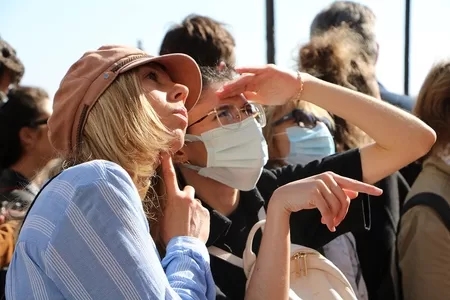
(357, 186)
(169, 174)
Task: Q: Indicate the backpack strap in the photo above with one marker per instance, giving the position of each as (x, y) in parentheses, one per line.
(440, 206)
(432, 200)
(226, 256)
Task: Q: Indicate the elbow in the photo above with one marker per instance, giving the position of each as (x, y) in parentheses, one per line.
(424, 141)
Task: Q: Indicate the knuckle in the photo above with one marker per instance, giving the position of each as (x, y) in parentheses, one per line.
(328, 176)
(320, 183)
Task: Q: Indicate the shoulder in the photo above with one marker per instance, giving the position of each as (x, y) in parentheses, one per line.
(93, 171)
(422, 220)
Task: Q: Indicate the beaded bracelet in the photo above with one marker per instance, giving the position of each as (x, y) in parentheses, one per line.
(298, 95)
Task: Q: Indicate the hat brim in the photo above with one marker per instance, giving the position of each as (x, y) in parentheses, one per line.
(181, 68)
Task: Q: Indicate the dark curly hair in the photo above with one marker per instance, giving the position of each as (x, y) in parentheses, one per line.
(335, 57)
(206, 40)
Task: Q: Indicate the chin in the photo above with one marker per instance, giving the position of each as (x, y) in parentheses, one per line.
(178, 140)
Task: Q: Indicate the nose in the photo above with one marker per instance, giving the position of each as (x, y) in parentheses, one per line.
(178, 93)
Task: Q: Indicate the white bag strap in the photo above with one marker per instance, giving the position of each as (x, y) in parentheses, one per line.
(249, 255)
(226, 256)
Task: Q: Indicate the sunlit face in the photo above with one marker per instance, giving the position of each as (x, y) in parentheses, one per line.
(167, 99)
(41, 147)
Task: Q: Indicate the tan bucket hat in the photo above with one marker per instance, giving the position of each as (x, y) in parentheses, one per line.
(93, 73)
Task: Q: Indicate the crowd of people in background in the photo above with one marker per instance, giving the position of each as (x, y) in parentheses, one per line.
(144, 176)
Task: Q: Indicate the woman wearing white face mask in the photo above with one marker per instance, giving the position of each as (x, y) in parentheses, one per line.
(224, 163)
(298, 133)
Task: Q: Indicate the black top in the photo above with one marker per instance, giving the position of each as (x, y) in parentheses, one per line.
(16, 189)
(230, 233)
(376, 247)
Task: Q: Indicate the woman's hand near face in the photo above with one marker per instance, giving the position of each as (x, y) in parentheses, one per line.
(269, 85)
(400, 138)
(183, 214)
(328, 192)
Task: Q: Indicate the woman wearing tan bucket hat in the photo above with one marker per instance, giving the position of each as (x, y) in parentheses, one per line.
(117, 114)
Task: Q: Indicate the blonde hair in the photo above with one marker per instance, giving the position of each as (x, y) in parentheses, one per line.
(433, 104)
(122, 127)
(273, 113)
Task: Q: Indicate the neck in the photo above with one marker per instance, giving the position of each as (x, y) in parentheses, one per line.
(27, 167)
(219, 196)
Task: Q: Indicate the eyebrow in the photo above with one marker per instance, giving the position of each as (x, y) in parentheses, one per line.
(157, 64)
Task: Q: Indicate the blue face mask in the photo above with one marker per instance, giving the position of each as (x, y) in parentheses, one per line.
(309, 144)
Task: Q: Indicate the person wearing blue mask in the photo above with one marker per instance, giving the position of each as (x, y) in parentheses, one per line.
(300, 132)
(225, 152)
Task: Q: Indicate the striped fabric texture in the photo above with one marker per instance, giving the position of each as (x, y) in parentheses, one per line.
(87, 237)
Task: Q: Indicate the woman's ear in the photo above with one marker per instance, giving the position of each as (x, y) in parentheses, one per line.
(221, 66)
(28, 137)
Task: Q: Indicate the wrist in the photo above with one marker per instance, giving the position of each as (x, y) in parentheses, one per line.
(277, 207)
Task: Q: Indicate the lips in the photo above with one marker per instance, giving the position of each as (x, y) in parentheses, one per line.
(181, 111)
(182, 114)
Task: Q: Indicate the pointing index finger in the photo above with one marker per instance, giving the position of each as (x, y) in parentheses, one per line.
(169, 175)
(357, 186)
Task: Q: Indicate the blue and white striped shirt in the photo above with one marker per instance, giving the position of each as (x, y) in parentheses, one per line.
(87, 237)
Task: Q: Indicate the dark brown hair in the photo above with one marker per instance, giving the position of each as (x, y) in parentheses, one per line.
(206, 40)
(335, 57)
(358, 17)
(433, 104)
(22, 109)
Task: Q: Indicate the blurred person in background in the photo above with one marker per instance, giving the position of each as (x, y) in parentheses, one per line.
(206, 40)
(362, 20)
(24, 151)
(424, 230)
(11, 68)
(24, 145)
(336, 57)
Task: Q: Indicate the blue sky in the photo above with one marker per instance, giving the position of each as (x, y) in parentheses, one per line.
(50, 35)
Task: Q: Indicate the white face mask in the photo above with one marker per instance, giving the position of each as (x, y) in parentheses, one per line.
(309, 144)
(235, 157)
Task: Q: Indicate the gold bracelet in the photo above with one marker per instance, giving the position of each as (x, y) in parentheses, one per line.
(298, 95)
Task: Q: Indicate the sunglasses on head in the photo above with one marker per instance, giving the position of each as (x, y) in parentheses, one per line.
(38, 123)
(300, 117)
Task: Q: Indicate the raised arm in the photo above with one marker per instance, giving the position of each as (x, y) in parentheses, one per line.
(400, 138)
